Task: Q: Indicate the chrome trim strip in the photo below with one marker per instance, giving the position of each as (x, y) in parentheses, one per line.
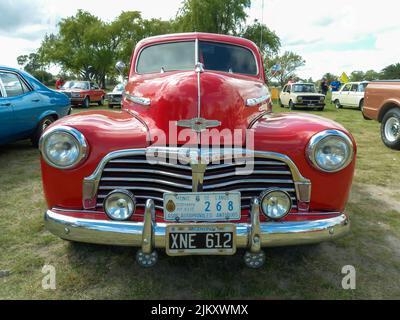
(139, 100)
(160, 172)
(272, 234)
(164, 182)
(256, 101)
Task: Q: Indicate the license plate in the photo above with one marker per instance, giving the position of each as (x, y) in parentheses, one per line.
(201, 239)
(311, 104)
(202, 206)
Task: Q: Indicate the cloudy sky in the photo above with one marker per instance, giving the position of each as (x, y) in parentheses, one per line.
(332, 36)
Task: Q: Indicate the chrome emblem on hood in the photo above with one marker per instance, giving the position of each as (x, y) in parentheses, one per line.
(198, 124)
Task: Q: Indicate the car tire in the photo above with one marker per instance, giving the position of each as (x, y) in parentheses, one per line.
(86, 103)
(43, 124)
(337, 104)
(281, 104)
(361, 105)
(291, 105)
(101, 102)
(390, 129)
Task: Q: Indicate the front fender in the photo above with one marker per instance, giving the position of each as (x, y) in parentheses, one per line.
(104, 131)
(289, 134)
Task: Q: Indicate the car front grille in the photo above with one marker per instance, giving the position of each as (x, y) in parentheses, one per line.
(311, 99)
(151, 181)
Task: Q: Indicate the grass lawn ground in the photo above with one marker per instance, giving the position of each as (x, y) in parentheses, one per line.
(96, 272)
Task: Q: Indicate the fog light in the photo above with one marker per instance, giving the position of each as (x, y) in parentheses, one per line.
(275, 203)
(120, 205)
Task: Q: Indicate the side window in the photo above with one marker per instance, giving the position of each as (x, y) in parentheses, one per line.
(284, 89)
(354, 87)
(346, 88)
(25, 87)
(12, 84)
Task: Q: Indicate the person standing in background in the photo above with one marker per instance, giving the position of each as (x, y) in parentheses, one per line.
(324, 86)
(335, 85)
(59, 83)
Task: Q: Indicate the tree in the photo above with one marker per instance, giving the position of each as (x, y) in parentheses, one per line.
(258, 32)
(371, 75)
(391, 72)
(22, 60)
(330, 77)
(357, 76)
(89, 48)
(215, 16)
(289, 62)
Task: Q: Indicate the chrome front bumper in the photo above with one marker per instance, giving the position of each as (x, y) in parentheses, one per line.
(149, 234)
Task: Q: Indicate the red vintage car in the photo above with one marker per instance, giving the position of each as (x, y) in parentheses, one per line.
(84, 93)
(196, 163)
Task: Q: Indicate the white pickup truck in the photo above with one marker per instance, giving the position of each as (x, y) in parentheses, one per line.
(350, 95)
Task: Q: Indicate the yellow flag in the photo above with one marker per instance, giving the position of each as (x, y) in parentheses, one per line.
(344, 78)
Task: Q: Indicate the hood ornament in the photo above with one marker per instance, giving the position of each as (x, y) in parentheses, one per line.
(198, 124)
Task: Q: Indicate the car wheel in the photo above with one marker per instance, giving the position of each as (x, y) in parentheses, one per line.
(86, 102)
(337, 104)
(390, 129)
(101, 102)
(361, 105)
(43, 124)
(281, 104)
(291, 105)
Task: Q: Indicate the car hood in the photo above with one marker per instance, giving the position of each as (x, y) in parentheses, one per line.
(175, 97)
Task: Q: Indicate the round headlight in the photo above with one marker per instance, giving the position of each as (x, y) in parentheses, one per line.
(275, 203)
(330, 151)
(63, 147)
(120, 205)
(299, 99)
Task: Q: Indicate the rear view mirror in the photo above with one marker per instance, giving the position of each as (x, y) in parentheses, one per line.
(120, 66)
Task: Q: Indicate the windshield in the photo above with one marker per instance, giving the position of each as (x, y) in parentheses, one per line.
(304, 88)
(182, 56)
(80, 85)
(68, 85)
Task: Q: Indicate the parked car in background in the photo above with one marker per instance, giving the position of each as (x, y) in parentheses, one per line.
(178, 168)
(382, 103)
(114, 98)
(84, 93)
(27, 107)
(303, 95)
(350, 95)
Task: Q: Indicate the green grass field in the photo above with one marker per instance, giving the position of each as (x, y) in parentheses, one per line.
(310, 272)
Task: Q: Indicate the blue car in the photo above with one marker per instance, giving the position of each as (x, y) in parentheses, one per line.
(27, 107)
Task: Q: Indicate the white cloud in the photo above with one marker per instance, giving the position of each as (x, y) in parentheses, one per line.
(332, 36)
(336, 36)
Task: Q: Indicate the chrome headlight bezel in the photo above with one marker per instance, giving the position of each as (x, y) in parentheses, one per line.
(129, 195)
(76, 137)
(270, 191)
(320, 137)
